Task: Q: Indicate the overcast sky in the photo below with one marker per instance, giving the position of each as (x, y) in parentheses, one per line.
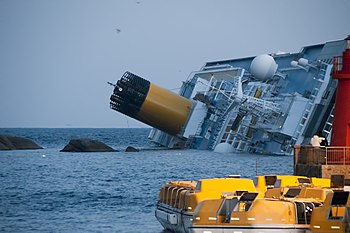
(56, 56)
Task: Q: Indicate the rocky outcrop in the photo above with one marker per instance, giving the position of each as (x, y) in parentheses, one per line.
(17, 143)
(131, 149)
(86, 145)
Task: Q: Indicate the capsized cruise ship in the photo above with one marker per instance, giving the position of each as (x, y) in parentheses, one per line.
(261, 104)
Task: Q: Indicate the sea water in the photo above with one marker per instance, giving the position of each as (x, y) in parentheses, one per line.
(51, 191)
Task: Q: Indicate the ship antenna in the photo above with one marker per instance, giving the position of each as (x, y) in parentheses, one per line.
(114, 85)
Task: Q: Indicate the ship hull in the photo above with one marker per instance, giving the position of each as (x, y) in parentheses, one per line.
(249, 229)
(181, 222)
(173, 219)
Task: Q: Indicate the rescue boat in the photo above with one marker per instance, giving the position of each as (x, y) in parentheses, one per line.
(283, 209)
(334, 215)
(178, 200)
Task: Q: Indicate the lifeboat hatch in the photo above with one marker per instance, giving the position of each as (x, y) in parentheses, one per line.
(337, 181)
(292, 192)
(304, 181)
(338, 205)
(225, 210)
(270, 181)
(245, 202)
(340, 198)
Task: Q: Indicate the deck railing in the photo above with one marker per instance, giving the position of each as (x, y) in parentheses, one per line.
(337, 155)
(337, 64)
(330, 155)
(340, 66)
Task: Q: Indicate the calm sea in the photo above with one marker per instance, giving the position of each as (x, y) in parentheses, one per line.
(51, 191)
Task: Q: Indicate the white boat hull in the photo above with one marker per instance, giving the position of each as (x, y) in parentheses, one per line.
(249, 229)
(174, 219)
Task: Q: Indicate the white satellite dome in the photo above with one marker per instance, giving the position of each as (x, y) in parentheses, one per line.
(263, 67)
(224, 147)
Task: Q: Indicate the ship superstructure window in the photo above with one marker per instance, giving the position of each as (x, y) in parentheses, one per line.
(228, 132)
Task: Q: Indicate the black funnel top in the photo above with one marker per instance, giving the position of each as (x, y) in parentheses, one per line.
(129, 94)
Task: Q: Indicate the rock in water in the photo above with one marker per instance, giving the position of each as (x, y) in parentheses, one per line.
(131, 149)
(86, 145)
(17, 143)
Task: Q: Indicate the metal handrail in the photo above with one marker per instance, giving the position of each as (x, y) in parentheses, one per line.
(339, 155)
(330, 155)
(337, 64)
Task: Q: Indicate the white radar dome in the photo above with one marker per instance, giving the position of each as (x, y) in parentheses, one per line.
(224, 148)
(263, 67)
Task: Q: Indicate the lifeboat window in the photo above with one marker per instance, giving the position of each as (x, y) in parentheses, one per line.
(304, 181)
(270, 181)
(337, 181)
(240, 192)
(245, 202)
(340, 198)
(255, 181)
(248, 197)
(198, 187)
(278, 183)
(292, 192)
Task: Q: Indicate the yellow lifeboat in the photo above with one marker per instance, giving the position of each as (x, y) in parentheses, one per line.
(334, 215)
(263, 183)
(284, 209)
(178, 200)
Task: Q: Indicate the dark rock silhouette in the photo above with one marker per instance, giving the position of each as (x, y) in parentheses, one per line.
(86, 145)
(8, 142)
(131, 149)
